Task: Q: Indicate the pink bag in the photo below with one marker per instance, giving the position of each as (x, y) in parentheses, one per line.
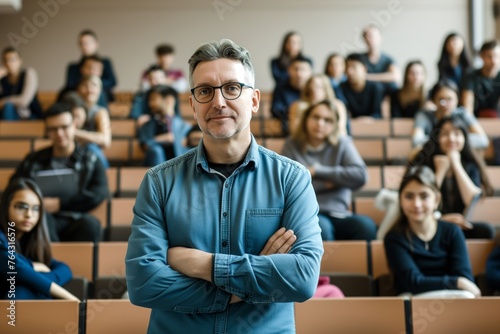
(327, 290)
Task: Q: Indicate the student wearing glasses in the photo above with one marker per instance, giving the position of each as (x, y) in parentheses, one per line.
(228, 232)
(444, 95)
(71, 177)
(25, 247)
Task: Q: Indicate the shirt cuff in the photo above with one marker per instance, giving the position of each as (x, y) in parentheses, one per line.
(220, 270)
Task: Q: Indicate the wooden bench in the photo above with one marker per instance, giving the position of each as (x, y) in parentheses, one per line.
(351, 315)
(116, 316)
(79, 256)
(41, 316)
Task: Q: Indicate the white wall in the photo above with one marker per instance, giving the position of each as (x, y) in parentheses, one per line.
(129, 30)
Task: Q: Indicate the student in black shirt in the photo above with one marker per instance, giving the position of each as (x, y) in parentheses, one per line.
(427, 256)
(364, 98)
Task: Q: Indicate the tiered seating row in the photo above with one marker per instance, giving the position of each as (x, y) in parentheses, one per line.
(341, 258)
(90, 260)
(379, 142)
(350, 315)
(71, 317)
(360, 266)
(124, 182)
(122, 152)
(397, 315)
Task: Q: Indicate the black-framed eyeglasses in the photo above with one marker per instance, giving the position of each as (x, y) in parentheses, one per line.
(230, 91)
(23, 208)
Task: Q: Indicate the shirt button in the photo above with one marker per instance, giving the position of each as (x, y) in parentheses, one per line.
(227, 185)
(224, 214)
(224, 243)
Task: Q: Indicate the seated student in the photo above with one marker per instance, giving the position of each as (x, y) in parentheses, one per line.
(165, 56)
(481, 90)
(427, 257)
(412, 97)
(335, 70)
(71, 177)
(380, 67)
(364, 98)
(89, 46)
(445, 96)
(291, 48)
(23, 233)
(140, 103)
(89, 66)
(460, 174)
(162, 135)
(493, 266)
(18, 89)
(454, 63)
(284, 95)
(336, 169)
(317, 89)
(96, 131)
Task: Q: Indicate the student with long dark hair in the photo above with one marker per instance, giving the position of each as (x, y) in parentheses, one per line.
(291, 48)
(25, 247)
(335, 71)
(460, 173)
(427, 256)
(454, 62)
(406, 101)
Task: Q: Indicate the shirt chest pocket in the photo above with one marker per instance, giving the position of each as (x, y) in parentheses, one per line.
(260, 225)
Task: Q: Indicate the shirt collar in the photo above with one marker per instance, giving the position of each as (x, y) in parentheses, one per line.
(251, 159)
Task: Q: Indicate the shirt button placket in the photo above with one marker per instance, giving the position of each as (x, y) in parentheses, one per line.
(225, 221)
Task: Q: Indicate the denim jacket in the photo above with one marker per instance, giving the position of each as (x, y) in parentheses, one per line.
(182, 202)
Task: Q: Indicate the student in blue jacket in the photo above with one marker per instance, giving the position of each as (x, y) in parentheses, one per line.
(27, 269)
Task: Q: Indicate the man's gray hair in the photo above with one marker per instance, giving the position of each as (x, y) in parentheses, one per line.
(223, 49)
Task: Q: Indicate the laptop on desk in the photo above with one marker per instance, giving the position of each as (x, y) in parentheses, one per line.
(62, 183)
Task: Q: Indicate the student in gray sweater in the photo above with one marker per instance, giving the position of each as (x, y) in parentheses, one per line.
(336, 169)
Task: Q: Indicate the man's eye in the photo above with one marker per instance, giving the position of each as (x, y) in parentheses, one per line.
(204, 91)
(232, 88)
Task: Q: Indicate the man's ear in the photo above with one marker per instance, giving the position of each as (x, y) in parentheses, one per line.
(255, 101)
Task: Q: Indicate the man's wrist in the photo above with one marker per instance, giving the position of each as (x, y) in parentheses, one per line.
(201, 265)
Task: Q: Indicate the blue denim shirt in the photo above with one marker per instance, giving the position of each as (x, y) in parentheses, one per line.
(182, 202)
